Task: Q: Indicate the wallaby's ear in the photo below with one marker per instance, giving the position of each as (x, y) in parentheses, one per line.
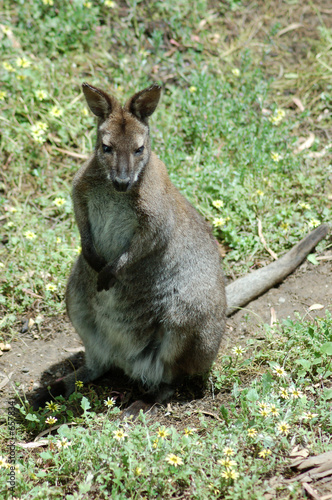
(99, 102)
(144, 103)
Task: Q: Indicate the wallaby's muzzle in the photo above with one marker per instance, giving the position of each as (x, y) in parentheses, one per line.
(122, 184)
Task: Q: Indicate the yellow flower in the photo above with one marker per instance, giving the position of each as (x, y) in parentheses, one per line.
(313, 223)
(8, 67)
(51, 420)
(39, 126)
(284, 226)
(236, 72)
(110, 4)
(78, 250)
(189, 432)
(3, 94)
(280, 113)
(283, 428)
(214, 489)
(305, 206)
(58, 240)
(79, 384)
(309, 416)
(109, 402)
(264, 412)
(192, 89)
(174, 460)
(277, 116)
(50, 287)
(39, 138)
(218, 222)
(63, 443)
(6, 31)
(38, 131)
(84, 112)
(41, 95)
(56, 112)
(238, 350)
(230, 474)
(30, 235)
(163, 433)
(279, 371)
(20, 77)
(138, 471)
(251, 432)
(264, 453)
(119, 435)
(155, 443)
(59, 202)
(48, 2)
(21, 62)
(295, 393)
(228, 451)
(52, 406)
(218, 203)
(274, 410)
(88, 5)
(283, 392)
(259, 192)
(227, 462)
(275, 157)
(3, 463)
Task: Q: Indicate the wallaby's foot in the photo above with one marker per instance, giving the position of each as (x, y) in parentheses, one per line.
(57, 388)
(134, 409)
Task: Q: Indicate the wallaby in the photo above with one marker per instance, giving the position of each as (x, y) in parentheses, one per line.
(147, 293)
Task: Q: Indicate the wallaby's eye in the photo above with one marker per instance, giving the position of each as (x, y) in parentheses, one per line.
(139, 151)
(107, 149)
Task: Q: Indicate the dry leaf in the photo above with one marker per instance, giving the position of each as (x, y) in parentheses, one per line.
(316, 307)
(291, 27)
(317, 154)
(34, 444)
(5, 380)
(273, 319)
(299, 453)
(298, 103)
(306, 144)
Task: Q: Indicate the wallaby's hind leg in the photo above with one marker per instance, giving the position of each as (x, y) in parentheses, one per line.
(93, 367)
(90, 371)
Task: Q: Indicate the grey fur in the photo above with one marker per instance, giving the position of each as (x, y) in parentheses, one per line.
(147, 293)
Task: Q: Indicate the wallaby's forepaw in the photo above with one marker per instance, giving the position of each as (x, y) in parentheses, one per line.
(106, 279)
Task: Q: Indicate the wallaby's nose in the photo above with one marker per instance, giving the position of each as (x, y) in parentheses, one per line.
(121, 184)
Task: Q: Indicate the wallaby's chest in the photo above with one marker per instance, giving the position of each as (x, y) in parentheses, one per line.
(113, 223)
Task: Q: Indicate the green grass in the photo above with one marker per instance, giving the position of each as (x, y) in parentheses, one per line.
(282, 405)
(217, 130)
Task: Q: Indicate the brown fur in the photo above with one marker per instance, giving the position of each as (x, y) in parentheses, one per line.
(147, 293)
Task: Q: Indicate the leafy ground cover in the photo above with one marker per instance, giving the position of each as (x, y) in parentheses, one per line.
(244, 128)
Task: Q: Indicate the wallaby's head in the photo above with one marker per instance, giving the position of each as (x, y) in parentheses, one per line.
(123, 143)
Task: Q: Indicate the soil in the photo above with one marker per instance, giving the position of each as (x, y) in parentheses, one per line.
(53, 349)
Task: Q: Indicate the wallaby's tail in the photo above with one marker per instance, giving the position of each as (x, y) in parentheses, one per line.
(245, 289)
